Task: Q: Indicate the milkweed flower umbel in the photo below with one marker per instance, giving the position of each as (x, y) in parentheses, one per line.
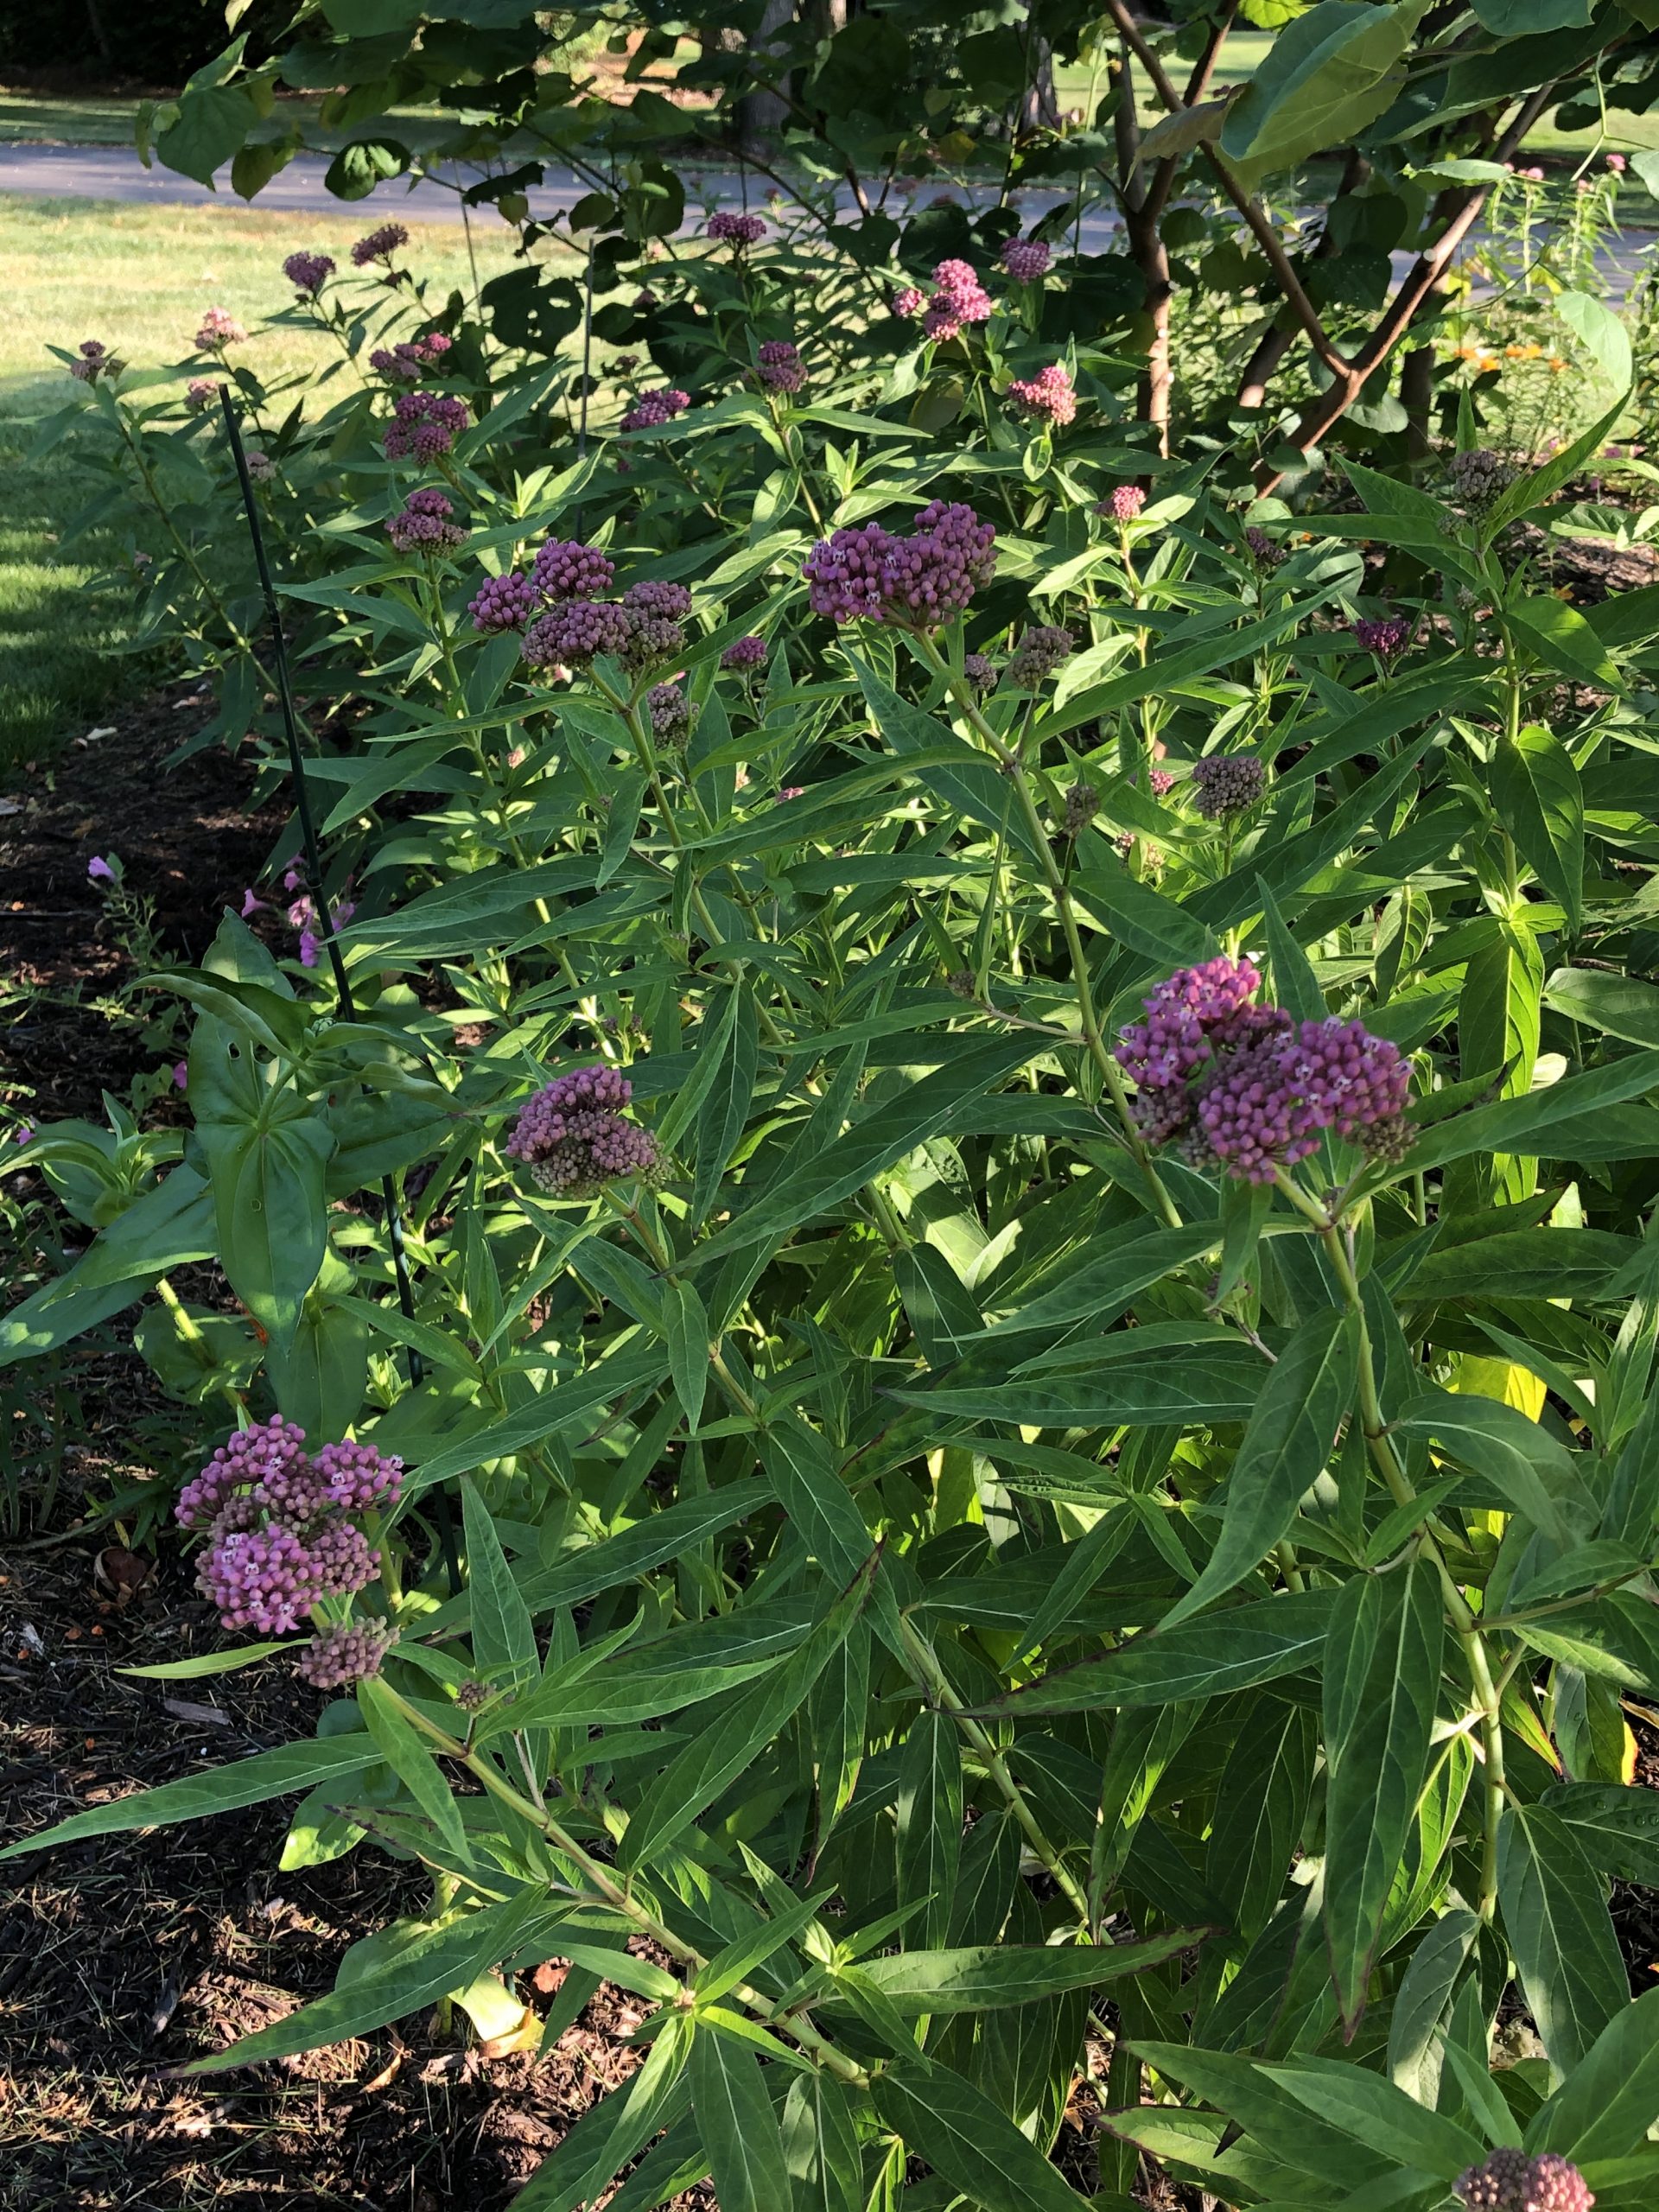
(738, 231)
(1026, 260)
(218, 330)
(1387, 636)
(959, 299)
(423, 524)
(1038, 654)
(781, 368)
(346, 1653)
(96, 360)
(908, 303)
(378, 245)
(670, 711)
(1227, 784)
(918, 581)
(1508, 2181)
(307, 273)
(1124, 505)
(566, 568)
(745, 653)
(404, 362)
(425, 424)
(573, 1137)
(200, 393)
(1049, 395)
(576, 632)
(505, 602)
(652, 408)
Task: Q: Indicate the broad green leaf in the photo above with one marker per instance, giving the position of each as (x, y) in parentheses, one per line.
(1564, 641)
(821, 2145)
(1381, 1685)
(974, 2148)
(271, 1209)
(1286, 1445)
(1615, 1824)
(1102, 1278)
(1498, 1037)
(583, 2166)
(688, 1340)
(1139, 1377)
(1423, 2001)
(1379, 2116)
(563, 1402)
(643, 1680)
(1619, 1005)
(1327, 74)
(1539, 801)
(279, 1773)
(1531, 1471)
(169, 1226)
(1526, 1125)
(1592, 322)
(744, 1953)
(1559, 1929)
(973, 1979)
(504, 1636)
(1235, 1649)
(737, 2123)
(406, 1753)
(1606, 2107)
(929, 1833)
(1524, 1263)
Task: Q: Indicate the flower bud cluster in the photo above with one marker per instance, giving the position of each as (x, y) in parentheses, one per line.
(278, 1537)
(1227, 784)
(739, 230)
(1048, 396)
(307, 273)
(1037, 655)
(1508, 2181)
(573, 1137)
(1247, 1089)
(578, 631)
(403, 362)
(1387, 636)
(958, 300)
(670, 711)
(1026, 260)
(652, 408)
(781, 368)
(200, 393)
(916, 581)
(745, 653)
(96, 360)
(378, 245)
(346, 1653)
(423, 524)
(1125, 503)
(425, 424)
(218, 330)
(1265, 551)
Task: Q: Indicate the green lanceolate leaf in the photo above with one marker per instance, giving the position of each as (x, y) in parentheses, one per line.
(969, 2144)
(1559, 1929)
(1286, 1447)
(1382, 1684)
(1234, 1649)
(688, 1340)
(504, 1636)
(1540, 800)
(929, 1834)
(821, 2145)
(406, 1753)
(614, 2129)
(737, 2123)
(1604, 2107)
(987, 1975)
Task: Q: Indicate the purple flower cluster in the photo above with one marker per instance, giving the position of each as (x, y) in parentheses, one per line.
(573, 1137)
(278, 1537)
(740, 231)
(1480, 478)
(505, 602)
(349, 1652)
(96, 360)
(980, 671)
(781, 368)
(425, 424)
(378, 245)
(218, 330)
(1026, 260)
(404, 362)
(423, 524)
(916, 581)
(666, 602)
(577, 631)
(959, 299)
(1037, 655)
(261, 470)
(566, 568)
(670, 711)
(745, 653)
(1265, 551)
(908, 303)
(1387, 636)
(1227, 784)
(1248, 1090)
(1508, 2181)
(1049, 395)
(307, 273)
(1125, 503)
(652, 408)
(200, 393)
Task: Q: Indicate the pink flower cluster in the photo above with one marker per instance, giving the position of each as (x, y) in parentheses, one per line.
(425, 424)
(1125, 503)
(278, 1537)
(739, 230)
(200, 393)
(96, 360)
(378, 245)
(959, 299)
(1387, 637)
(1026, 260)
(577, 631)
(745, 653)
(573, 1137)
(916, 581)
(566, 568)
(346, 1653)
(1048, 396)
(908, 303)
(403, 362)
(652, 408)
(218, 330)
(423, 524)
(1249, 1091)
(1227, 784)
(781, 368)
(1508, 2181)
(307, 273)
(670, 711)
(505, 602)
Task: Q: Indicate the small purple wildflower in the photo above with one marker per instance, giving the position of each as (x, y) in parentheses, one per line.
(566, 568)
(916, 581)
(781, 368)
(1227, 784)
(652, 408)
(745, 653)
(908, 303)
(307, 273)
(1038, 654)
(1026, 260)
(346, 1653)
(958, 300)
(182, 1075)
(1508, 2181)
(357, 1476)
(1387, 637)
(1049, 395)
(423, 524)
(573, 1137)
(670, 711)
(404, 362)
(100, 871)
(425, 424)
(96, 360)
(739, 230)
(380, 245)
(578, 631)
(505, 602)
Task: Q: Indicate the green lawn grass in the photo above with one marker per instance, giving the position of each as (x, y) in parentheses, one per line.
(138, 278)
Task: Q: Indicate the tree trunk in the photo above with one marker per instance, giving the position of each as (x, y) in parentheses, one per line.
(1039, 110)
(762, 113)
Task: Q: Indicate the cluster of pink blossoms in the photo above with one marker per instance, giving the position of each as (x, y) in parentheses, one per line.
(200, 393)
(739, 230)
(652, 408)
(346, 1653)
(308, 273)
(1049, 395)
(566, 624)
(403, 362)
(218, 330)
(1387, 635)
(96, 360)
(423, 524)
(425, 424)
(745, 653)
(1508, 2181)
(1246, 1089)
(958, 300)
(781, 368)
(573, 1137)
(918, 581)
(1125, 503)
(276, 1518)
(380, 245)
(1026, 260)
